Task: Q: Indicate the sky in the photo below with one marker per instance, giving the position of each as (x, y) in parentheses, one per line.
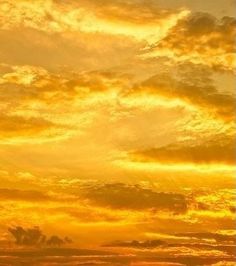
(117, 132)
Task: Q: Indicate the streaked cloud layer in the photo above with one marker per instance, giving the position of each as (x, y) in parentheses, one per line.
(117, 116)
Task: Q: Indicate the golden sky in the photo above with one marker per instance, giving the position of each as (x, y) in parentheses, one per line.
(117, 131)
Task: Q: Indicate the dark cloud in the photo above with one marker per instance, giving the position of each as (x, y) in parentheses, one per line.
(200, 24)
(119, 260)
(25, 195)
(217, 151)
(13, 126)
(167, 254)
(57, 241)
(228, 250)
(137, 244)
(233, 209)
(58, 256)
(193, 85)
(34, 237)
(209, 235)
(222, 245)
(204, 24)
(53, 88)
(202, 36)
(122, 196)
(28, 237)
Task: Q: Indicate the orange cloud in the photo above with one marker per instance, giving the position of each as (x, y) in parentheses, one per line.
(201, 39)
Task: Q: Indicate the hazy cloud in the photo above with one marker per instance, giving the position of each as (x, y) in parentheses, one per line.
(215, 151)
(24, 195)
(193, 86)
(122, 196)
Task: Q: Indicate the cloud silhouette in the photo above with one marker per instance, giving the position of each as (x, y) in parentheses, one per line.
(34, 237)
(28, 237)
(55, 241)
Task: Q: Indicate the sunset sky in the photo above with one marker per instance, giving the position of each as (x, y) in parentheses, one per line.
(117, 131)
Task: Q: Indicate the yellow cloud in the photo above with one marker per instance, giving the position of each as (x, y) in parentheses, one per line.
(53, 17)
(175, 167)
(46, 105)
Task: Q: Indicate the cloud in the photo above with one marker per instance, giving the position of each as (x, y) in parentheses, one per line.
(137, 244)
(200, 38)
(192, 243)
(216, 151)
(223, 263)
(67, 101)
(34, 236)
(74, 51)
(50, 106)
(57, 241)
(59, 256)
(29, 82)
(209, 235)
(129, 28)
(28, 237)
(122, 196)
(232, 209)
(14, 128)
(23, 195)
(41, 106)
(181, 252)
(192, 86)
(146, 23)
